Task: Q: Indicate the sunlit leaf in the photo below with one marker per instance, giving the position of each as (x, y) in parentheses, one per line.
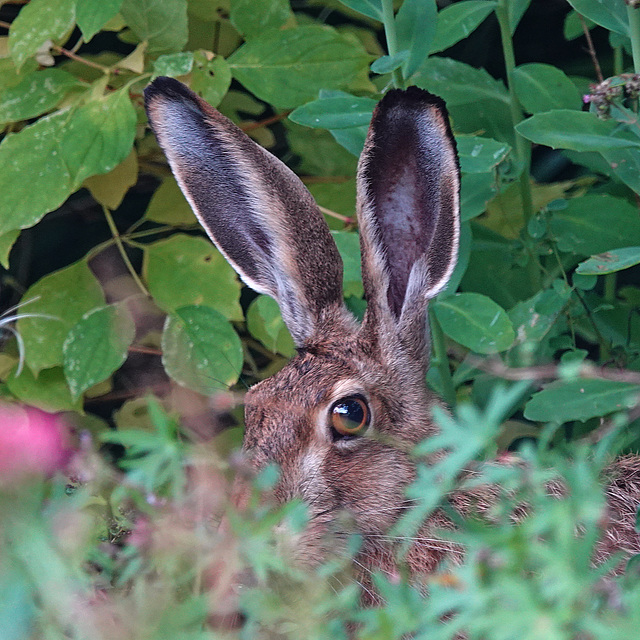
(161, 23)
(56, 303)
(253, 17)
(188, 270)
(265, 323)
(62, 150)
(200, 349)
(610, 261)
(37, 22)
(37, 93)
(562, 401)
(288, 68)
(543, 87)
(459, 20)
(475, 321)
(96, 346)
(92, 15)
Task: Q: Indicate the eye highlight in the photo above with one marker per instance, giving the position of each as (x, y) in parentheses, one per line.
(350, 417)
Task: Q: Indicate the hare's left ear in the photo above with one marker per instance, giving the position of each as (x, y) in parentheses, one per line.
(253, 207)
(408, 212)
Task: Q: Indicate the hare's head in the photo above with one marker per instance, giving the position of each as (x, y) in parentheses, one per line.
(340, 418)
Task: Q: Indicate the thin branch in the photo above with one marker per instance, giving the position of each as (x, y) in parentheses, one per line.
(77, 58)
(591, 49)
(122, 250)
(607, 426)
(266, 122)
(551, 371)
(150, 351)
(337, 216)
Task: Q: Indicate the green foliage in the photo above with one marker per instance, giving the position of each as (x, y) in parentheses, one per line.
(131, 296)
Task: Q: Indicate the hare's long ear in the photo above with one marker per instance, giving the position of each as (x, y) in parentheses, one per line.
(408, 210)
(255, 209)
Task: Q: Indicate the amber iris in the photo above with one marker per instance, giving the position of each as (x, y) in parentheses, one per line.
(350, 416)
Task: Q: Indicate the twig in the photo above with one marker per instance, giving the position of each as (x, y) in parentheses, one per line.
(591, 48)
(607, 426)
(337, 216)
(77, 58)
(551, 371)
(122, 250)
(150, 351)
(266, 122)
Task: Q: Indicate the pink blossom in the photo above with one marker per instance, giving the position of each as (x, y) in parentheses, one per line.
(32, 442)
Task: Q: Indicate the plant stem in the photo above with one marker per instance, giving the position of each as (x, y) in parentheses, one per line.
(118, 240)
(618, 63)
(523, 146)
(441, 360)
(392, 39)
(634, 34)
(610, 285)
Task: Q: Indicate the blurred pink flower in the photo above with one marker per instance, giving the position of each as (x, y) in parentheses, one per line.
(32, 442)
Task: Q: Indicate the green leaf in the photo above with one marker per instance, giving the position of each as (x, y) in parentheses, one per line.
(173, 64)
(37, 93)
(161, 23)
(348, 244)
(92, 15)
(610, 14)
(516, 10)
(96, 346)
(459, 20)
(351, 139)
(288, 68)
(573, 25)
(210, 78)
(200, 349)
(610, 261)
(624, 164)
(49, 391)
(62, 150)
(169, 206)
(265, 323)
(562, 400)
(387, 64)
(7, 240)
(37, 22)
(480, 155)
(369, 8)
(253, 17)
(534, 318)
(476, 322)
(415, 28)
(594, 224)
(335, 112)
(476, 190)
(575, 130)
(459, 83)
(543, 87)
(188, 270)
(60, 299)
(476, 101)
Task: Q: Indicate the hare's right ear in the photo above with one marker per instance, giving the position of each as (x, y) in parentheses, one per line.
(255, 209)
(408, 210)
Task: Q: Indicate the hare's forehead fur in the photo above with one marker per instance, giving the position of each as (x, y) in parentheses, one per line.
(287, 416)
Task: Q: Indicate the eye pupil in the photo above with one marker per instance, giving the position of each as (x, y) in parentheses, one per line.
(350, 417)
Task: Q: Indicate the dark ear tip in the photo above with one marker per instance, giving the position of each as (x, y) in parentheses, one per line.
(167, 88)
(412, 96)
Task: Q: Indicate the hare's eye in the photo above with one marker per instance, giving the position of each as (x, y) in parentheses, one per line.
(349, 417)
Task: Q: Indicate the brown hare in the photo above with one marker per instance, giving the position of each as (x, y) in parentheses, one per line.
(348, 381)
